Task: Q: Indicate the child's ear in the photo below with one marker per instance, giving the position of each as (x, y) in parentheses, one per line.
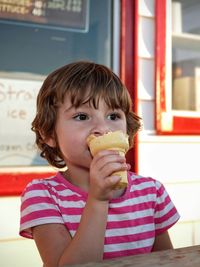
(50, 141)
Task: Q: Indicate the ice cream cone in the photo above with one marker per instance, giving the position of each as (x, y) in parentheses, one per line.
(111, 141)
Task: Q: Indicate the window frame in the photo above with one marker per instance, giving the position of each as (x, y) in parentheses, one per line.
(167, 122)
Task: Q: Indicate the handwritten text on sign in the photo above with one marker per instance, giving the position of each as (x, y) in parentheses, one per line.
(18, 106)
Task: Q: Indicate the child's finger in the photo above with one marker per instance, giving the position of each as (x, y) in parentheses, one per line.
(112, 167)
(111, 181)
(107, 157)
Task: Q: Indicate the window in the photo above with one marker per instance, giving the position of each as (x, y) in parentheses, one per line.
(28, 53)
(32, 47)
(177, 67)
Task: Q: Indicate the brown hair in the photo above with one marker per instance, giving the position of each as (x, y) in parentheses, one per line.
(83, 82)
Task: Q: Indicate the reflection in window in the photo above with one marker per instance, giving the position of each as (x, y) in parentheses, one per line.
(186, 55)
(38, 50)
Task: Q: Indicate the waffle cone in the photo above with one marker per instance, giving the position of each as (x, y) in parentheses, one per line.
(111, 141)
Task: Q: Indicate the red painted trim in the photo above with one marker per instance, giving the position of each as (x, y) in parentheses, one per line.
(160, 59)
(184, 126)
(193, 125)
(14, 183)
(181, 125)
(129, 61)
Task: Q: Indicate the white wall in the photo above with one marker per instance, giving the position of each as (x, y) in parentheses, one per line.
(174, 160)
(15, 251)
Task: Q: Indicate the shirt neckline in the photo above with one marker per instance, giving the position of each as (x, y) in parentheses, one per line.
(61, 179)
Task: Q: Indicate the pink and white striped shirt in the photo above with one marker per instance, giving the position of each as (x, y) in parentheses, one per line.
(134, 219)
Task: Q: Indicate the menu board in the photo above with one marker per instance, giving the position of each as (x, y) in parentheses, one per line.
(59, 14)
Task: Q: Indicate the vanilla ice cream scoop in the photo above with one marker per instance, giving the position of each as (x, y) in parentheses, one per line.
(111, 141)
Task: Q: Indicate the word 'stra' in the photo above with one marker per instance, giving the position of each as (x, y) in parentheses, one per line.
(7, 92)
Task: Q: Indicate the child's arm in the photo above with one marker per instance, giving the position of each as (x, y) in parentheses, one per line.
(56, 247)
(51, 239)
(162, 242)
(88, 242)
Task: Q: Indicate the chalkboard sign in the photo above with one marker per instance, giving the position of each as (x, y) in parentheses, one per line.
(18, 107)
(56, 14)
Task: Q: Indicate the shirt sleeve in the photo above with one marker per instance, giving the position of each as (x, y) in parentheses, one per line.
(37, 207)
(166, 213)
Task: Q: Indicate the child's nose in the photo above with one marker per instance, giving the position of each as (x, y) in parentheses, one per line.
(100, 129)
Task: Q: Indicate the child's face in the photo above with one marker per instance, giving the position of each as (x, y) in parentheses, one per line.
(74, 125)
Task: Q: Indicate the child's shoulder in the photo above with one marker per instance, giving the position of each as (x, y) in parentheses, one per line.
(139, 179)
(40, 184)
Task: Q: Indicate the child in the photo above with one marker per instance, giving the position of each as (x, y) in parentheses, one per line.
(76, 216)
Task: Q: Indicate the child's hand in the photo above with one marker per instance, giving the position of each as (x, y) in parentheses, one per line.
(102, 166)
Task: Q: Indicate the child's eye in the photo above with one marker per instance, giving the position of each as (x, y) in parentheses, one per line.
(114, 116)
(81, 117)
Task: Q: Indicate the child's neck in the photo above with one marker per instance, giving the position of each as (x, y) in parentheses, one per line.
(78, 177)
